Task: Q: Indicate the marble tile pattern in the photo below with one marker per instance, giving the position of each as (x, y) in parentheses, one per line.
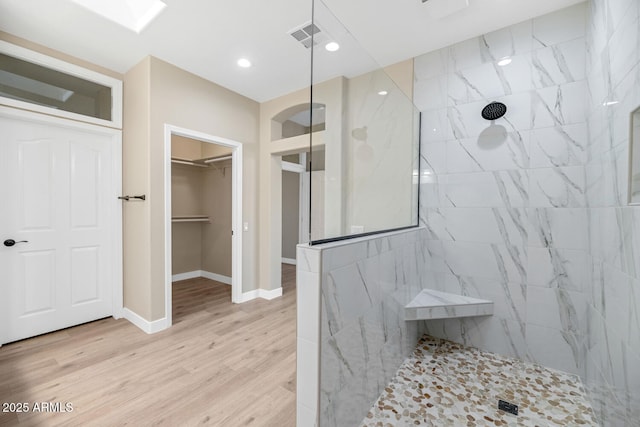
(364, 286)
(530, 210)
(446, 384)
(612, 353)
(431, 304)
(352, 333)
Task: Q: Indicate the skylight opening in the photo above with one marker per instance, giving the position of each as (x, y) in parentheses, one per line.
(132, 14)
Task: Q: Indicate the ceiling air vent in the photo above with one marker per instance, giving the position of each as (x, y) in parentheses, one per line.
(304, 33)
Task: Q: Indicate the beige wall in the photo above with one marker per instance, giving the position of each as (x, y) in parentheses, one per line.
(270, 249)
(216, 236)
(402, 75)
(215, 150)
(135, 180)
(185, 100)
(270, 195)
(186, 199)
(186, 190)
(290, 129)
(185, 148)
(290, 213)
(182, 99)
(59, 55)
(186, 247)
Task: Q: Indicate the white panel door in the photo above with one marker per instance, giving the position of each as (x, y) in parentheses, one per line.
(56, 181)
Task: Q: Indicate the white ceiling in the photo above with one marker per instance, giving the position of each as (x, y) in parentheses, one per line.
(207, 37)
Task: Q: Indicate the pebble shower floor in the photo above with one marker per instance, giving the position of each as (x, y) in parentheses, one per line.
(447, 384)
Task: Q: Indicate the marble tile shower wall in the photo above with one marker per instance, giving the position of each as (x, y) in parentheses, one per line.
(364, 338)
(505, 201)
(612, 362)
(530, 210)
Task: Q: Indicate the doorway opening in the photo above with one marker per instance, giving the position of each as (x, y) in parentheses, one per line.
(203, 210)
(296, 194)
(293, 211)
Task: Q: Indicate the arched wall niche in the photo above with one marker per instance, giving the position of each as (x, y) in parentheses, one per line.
(300, 119)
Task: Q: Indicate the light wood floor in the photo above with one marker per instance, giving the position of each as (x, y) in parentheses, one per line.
(221, 364)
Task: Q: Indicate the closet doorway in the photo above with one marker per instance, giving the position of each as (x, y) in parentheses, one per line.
(203, 210)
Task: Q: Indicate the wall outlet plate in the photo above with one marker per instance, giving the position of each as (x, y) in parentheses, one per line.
(511, 408)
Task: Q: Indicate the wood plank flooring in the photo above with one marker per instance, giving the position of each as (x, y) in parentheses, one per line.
(221, 364)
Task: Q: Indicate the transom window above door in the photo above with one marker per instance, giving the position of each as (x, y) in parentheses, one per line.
(32, 81)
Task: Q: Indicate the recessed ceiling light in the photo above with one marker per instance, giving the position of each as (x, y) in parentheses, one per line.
(609, 103)
(332, 46)
(383, 93)
(244, 63)
(504, 61)
(132, 14)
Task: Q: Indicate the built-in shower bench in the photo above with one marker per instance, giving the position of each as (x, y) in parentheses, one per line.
(430, 304)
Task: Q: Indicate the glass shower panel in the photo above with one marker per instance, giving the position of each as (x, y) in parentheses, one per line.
(369, 142)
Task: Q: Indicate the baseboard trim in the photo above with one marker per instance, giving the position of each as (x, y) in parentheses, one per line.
(217, 277)
(201, 273)
(142, 323)
(269, 295)
(290, 261)
(186, 276)
(261, 293)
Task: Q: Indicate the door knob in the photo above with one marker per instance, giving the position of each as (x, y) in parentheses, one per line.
(11, 242)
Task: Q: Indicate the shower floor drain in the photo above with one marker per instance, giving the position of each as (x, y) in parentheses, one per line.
(511, 408)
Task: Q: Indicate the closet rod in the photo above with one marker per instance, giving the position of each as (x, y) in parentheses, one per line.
(187, 162)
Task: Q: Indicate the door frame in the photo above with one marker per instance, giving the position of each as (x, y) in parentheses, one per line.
(114, 207)
(300, 169)
(236, 210)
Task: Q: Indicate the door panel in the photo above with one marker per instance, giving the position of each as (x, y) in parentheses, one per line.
(37, 294)
(85, 281)
(85, 185)
(36, 169)
(61, 179)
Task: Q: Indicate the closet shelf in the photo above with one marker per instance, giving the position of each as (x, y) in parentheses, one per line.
(190, 218)
(201, 163)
